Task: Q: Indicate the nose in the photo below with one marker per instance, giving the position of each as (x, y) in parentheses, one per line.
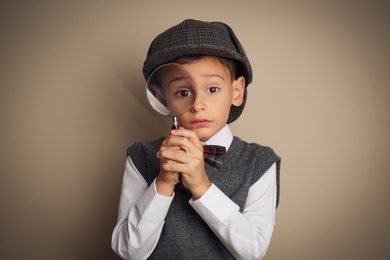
(199, 104)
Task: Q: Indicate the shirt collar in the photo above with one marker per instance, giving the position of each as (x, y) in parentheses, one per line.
(223, 137)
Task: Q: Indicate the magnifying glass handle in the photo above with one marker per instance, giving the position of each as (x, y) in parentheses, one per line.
(175, 123)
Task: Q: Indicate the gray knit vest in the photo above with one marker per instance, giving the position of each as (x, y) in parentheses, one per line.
(185, 235)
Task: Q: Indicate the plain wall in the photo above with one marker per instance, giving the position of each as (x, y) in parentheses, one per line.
(72, 100)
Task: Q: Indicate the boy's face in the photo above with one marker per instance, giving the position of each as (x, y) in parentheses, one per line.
(217, 93)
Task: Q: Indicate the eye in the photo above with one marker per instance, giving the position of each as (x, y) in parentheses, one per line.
(183, 93)
(213, 89)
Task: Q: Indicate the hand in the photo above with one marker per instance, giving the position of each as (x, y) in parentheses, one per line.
(188, 160)
(166, 180)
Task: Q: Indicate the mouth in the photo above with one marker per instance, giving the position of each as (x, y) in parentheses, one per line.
(200, 122)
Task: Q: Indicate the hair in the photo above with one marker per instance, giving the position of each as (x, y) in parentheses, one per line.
(230, 64)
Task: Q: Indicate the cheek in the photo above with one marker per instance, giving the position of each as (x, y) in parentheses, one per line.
(222, 111)
(221, 106)
(184, 119)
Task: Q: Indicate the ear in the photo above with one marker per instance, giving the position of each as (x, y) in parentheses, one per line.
(238, 91)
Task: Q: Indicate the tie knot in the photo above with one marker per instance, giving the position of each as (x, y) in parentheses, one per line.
(214, 155)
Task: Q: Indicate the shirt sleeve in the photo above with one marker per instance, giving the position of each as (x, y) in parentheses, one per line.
(246, 235)
(140, 217)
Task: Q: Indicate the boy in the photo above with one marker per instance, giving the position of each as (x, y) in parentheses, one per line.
(174, 205)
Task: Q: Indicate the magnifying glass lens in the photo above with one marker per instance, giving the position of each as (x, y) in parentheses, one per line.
(171, 89)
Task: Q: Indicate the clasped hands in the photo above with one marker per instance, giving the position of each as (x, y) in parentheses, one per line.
(181, 153)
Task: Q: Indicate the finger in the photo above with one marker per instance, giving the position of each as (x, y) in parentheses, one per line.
(165, 145)
(191, 135)
(174, 167)
(185, 143)
(187, 163)
(173, 155)
(171, 148)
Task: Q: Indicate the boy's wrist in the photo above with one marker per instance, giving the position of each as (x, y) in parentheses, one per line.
(164, 188)
(199, 191)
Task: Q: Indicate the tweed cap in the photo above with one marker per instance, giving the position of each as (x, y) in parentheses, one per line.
(193, 37)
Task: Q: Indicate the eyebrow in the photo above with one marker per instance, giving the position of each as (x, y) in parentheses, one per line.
(215, 75)
(178, 79)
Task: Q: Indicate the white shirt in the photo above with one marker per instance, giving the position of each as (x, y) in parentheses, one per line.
(142, 212)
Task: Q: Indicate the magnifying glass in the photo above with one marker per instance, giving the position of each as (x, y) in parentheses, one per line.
(171, 90)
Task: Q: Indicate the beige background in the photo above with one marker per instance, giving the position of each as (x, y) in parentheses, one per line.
(72, 100)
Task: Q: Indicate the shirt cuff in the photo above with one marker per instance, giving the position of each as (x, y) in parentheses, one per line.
(214, 206)
(153, 205)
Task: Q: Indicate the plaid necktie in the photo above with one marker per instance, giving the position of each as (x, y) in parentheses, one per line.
(214, 155)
